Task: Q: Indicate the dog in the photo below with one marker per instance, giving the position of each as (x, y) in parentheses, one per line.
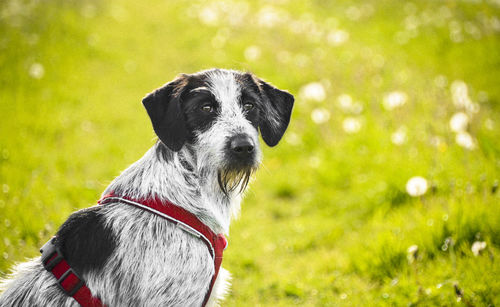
(207, 125)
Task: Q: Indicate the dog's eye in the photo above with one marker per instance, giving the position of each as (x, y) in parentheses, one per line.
(248, 106)
(207, 108)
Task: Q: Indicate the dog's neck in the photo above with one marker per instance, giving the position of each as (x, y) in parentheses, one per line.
(171, 176)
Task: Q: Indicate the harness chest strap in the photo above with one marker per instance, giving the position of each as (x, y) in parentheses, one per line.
(73, 285)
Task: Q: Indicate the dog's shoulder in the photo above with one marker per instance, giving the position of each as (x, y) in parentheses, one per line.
(85, 240)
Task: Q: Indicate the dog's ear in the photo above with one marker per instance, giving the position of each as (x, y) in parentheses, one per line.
(164, 109)
(277, 109)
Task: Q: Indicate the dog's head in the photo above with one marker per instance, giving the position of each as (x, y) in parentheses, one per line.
(216, 115)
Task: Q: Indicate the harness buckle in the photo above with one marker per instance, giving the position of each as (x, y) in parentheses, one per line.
(63, 277)
(48, 251)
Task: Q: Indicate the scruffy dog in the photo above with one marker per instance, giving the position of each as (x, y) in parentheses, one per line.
(122, 252)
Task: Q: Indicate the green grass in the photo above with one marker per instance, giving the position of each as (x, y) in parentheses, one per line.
(327, 221)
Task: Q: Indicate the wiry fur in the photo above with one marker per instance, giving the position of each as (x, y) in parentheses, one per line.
(155, 263)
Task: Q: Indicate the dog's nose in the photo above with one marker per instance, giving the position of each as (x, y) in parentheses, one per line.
(241, 145)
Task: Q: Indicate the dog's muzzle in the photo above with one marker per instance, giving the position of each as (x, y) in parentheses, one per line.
(241, 150)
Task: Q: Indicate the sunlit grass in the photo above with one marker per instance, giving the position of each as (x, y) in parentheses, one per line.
(385, 91)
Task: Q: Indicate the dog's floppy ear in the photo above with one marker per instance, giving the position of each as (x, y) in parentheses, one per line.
(277, 109)
(164, 110)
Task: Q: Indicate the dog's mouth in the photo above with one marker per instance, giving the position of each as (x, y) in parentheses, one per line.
(231, 180)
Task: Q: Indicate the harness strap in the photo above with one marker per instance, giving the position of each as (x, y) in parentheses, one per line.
(67, 279)
(73, 285)
(185, 220)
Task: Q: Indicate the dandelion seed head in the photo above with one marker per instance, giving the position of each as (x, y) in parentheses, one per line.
(477, 247)
(351, 125)
(337, 37)
(399, 136)
(465, 140)
(36, 71)
(460, 96)
(412, 253)
(320, 115)
(344, 102)
(314, 91)
(293, 138)
(489, 124)
(252, 53)
(209, 16)
(416, 186)
(440, 81)
(394, 99)
(459, 122)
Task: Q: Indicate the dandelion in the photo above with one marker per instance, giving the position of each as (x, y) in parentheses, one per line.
(416, 186)
(477, 247)
(353, 13)
(344, 102)
(459, 122)
(269, 17)
(465, 140)
(209, 16)
(412, 253)
(337, 37)
(293, 138)
(320, 115)
(440, 81)
(36, 71)
(489, 124)
(460, 96)
(351, 125)
(313, 91)
(394, 99)
(399, 137)
(88, 10)
(252, 53)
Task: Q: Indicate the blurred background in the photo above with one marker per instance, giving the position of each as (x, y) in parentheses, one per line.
(384, 190)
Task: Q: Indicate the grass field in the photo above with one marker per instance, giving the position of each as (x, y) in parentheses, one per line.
(385, 91)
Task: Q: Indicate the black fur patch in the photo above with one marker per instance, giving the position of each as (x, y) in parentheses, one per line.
(84, 240)
(198, 120)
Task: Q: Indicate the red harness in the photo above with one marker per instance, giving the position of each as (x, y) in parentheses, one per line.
(73, 285)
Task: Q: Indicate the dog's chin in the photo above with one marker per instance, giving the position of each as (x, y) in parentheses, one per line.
(235, 179)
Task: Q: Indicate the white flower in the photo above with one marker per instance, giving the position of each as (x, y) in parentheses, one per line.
(209, 16)
(337, 37)
(345, 102)
(293, 138)
(399, 136)
(351, 125)
(460, 96)
(347, 105)
(313, 91)
(320, 115)
(412, 252)
(465, 140)
(477, 247)
(459, 122)
(37, 71)
(394, 99)
(252, 53)
(269, 17)
(416, 186)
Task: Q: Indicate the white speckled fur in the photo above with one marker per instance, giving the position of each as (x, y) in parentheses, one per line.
(155, 263)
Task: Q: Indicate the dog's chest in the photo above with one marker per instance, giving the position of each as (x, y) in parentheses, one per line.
(154, 263)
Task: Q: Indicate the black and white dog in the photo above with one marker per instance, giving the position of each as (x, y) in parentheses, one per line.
(207, 124)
